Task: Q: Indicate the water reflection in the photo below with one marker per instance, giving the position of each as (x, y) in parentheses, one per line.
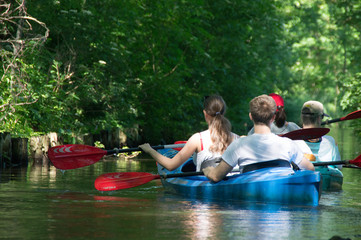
(38, 173)
(202, 222)
(12, 174)
(199, 220)
(237, 220)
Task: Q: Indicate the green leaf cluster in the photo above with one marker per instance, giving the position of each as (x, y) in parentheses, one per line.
(147, 64)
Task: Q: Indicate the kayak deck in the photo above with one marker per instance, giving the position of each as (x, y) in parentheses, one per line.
(274, 185)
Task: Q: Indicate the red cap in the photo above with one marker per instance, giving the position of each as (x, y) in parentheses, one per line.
(278, 99)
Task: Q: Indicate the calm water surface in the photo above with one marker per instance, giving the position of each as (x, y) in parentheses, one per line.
(45, 203)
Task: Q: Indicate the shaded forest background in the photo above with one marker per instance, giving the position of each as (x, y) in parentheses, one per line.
(76, 67)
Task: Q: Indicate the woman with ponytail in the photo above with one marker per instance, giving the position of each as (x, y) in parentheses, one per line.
(280, 125)
(207, 145)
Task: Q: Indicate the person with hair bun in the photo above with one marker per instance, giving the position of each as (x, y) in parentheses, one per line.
(208, 145)
(280, 125)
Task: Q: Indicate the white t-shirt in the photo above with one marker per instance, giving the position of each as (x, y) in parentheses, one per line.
(261, 148)
(303, 146)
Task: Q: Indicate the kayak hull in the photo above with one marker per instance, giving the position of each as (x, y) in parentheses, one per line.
(332, 178)
(271, 185)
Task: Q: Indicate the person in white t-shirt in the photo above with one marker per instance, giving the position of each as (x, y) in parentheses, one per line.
(262, 146)
(208, 144)
(325, 149)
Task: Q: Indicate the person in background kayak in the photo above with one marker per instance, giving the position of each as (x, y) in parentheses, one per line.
(263, 146)
(280, 125)
(209, 144)
(325, 148)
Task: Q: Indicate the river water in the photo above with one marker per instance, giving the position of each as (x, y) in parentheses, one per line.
(41, 202)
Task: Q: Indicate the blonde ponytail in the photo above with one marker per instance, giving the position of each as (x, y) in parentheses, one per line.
(219, 125)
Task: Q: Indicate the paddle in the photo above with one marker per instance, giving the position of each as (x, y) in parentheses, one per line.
(306, 133)
(356, 162)
(350, 116)
(123, 180)
(74, 156)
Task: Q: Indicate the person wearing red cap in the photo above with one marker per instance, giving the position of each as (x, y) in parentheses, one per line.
(280, 125)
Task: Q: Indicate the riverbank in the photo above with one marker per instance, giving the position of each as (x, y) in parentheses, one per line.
(15, 151)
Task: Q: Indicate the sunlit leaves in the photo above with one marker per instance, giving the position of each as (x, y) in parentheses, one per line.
(352, 96)
(149, 63)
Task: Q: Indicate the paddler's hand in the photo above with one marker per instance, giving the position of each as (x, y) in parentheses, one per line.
(216, 174)
(207, 171)
(146, 147)
(310, 157)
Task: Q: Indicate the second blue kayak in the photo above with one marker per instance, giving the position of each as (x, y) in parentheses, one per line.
(332, 178)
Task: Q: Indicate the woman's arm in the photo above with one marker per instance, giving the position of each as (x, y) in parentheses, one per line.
(192, 145)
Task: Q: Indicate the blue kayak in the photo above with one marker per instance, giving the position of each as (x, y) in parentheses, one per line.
(271, 185)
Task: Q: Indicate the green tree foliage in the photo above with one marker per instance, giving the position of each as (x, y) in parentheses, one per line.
(324, 46)
(148, 64)
(20, 79)
(346, 15)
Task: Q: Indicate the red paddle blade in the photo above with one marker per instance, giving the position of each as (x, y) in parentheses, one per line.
(353, 115)
(356, 161)
(179, 142)
(74, 156)
(306, 133)
(122, 180)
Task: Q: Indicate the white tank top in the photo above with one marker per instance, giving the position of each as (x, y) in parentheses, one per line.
(205, 153)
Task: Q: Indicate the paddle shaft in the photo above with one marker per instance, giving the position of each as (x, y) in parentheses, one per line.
(316, 164)
(332, 121)
(185, 174)
(356, 162)
(115, 151)
(188, 174)
(350, 116)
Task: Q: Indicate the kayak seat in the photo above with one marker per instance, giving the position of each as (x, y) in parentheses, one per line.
(189, 166)
(254, 166)
(251, 167)
(266, 164)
